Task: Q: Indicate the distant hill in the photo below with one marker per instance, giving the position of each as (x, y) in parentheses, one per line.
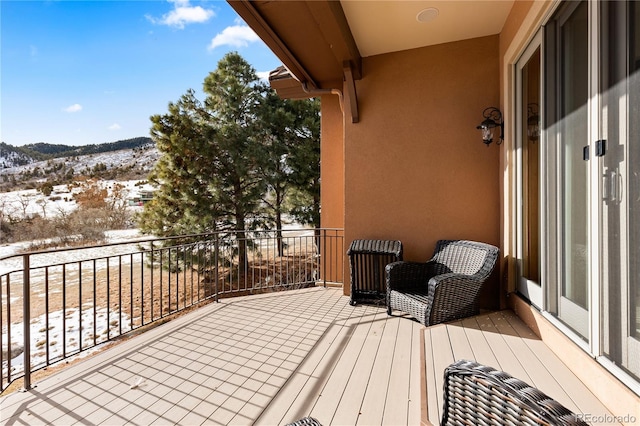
(45, 151)
(11, 156)
(29, 166)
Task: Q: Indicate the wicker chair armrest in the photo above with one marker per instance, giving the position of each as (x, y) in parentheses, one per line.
(454, 296)
(405, 275)
(453, 281)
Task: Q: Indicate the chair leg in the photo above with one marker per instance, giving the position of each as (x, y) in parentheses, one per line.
(389, 310)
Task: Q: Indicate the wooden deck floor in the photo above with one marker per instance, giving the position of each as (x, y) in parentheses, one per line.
(501, 340)
(272, 359)
(267, 359)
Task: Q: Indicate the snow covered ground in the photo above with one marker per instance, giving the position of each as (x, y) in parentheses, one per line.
(30, 202)
(11, 260)
(78, 327)
(105, 325)
(75, 325)
(18, 204)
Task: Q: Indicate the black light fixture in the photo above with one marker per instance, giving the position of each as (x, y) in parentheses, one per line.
(533, 122)
(492, 119)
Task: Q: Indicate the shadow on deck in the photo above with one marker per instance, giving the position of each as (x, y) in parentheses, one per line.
(274, 358)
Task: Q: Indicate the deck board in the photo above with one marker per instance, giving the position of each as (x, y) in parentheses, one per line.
(309, 378)
(460, 342)
(482, 352)
(416, 378)
(442, 356)
(371, 409)
(507, 359)
(432, 403)
(349, 409)
(397, 401)
(339, 376)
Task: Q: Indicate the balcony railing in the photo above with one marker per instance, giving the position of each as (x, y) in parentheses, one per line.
(57, 304)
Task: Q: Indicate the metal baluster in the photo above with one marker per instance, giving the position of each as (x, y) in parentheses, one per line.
(26, 319)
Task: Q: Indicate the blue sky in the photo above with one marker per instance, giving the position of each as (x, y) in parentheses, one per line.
(84, 72)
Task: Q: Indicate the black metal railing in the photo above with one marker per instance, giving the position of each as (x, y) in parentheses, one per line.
(56, 304)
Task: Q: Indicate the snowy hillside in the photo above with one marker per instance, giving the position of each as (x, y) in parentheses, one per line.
(126, 164)
(37, 199)
(20, 203)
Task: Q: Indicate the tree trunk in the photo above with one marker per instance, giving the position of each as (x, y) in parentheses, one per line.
(279, 242)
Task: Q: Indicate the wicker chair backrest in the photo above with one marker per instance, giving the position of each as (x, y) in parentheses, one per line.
(478, 394)
(463, 257)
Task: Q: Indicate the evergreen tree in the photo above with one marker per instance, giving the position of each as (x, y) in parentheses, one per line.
(184, 201)
(208, 174)
(303, 162)
(225, 158)
(234, 95)
(291, 151)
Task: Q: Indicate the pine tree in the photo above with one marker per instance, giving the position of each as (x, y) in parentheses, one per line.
(208, 173)
(304, 163)
(291, 151)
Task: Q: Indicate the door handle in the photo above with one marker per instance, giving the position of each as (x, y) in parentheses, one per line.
(612, 186)
(619, 187)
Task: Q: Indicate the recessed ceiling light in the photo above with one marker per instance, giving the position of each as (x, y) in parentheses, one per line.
(427, 15)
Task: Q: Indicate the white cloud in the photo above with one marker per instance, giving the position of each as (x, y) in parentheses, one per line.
(182, 14)
(263, 75)
(73, 108)
(236, 35)
(114, 126)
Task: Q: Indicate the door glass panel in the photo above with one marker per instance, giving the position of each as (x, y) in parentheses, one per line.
(634, 175)
(531, 168)
(620, 186)
(574, 86)
(567, 177)
(528, 150)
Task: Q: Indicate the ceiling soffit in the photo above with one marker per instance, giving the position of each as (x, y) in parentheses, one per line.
(321, 42)
(389, 26)
(312, 39)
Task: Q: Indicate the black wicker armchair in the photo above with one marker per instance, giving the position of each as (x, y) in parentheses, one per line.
(475, 394)
(446, 287)
(306, 421)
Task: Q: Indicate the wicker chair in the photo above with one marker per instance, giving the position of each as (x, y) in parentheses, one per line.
(446, 287)
(306, 421)
(475, 394)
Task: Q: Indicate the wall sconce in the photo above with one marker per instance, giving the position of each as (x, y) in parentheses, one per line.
(492, 119)
(533, 122)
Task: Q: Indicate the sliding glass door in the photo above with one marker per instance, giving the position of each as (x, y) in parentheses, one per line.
(619, 169)
(590, 168)
(567, 67)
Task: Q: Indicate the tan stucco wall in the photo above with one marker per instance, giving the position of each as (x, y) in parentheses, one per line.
(332, 187)
(416, 169)
(332, 163)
